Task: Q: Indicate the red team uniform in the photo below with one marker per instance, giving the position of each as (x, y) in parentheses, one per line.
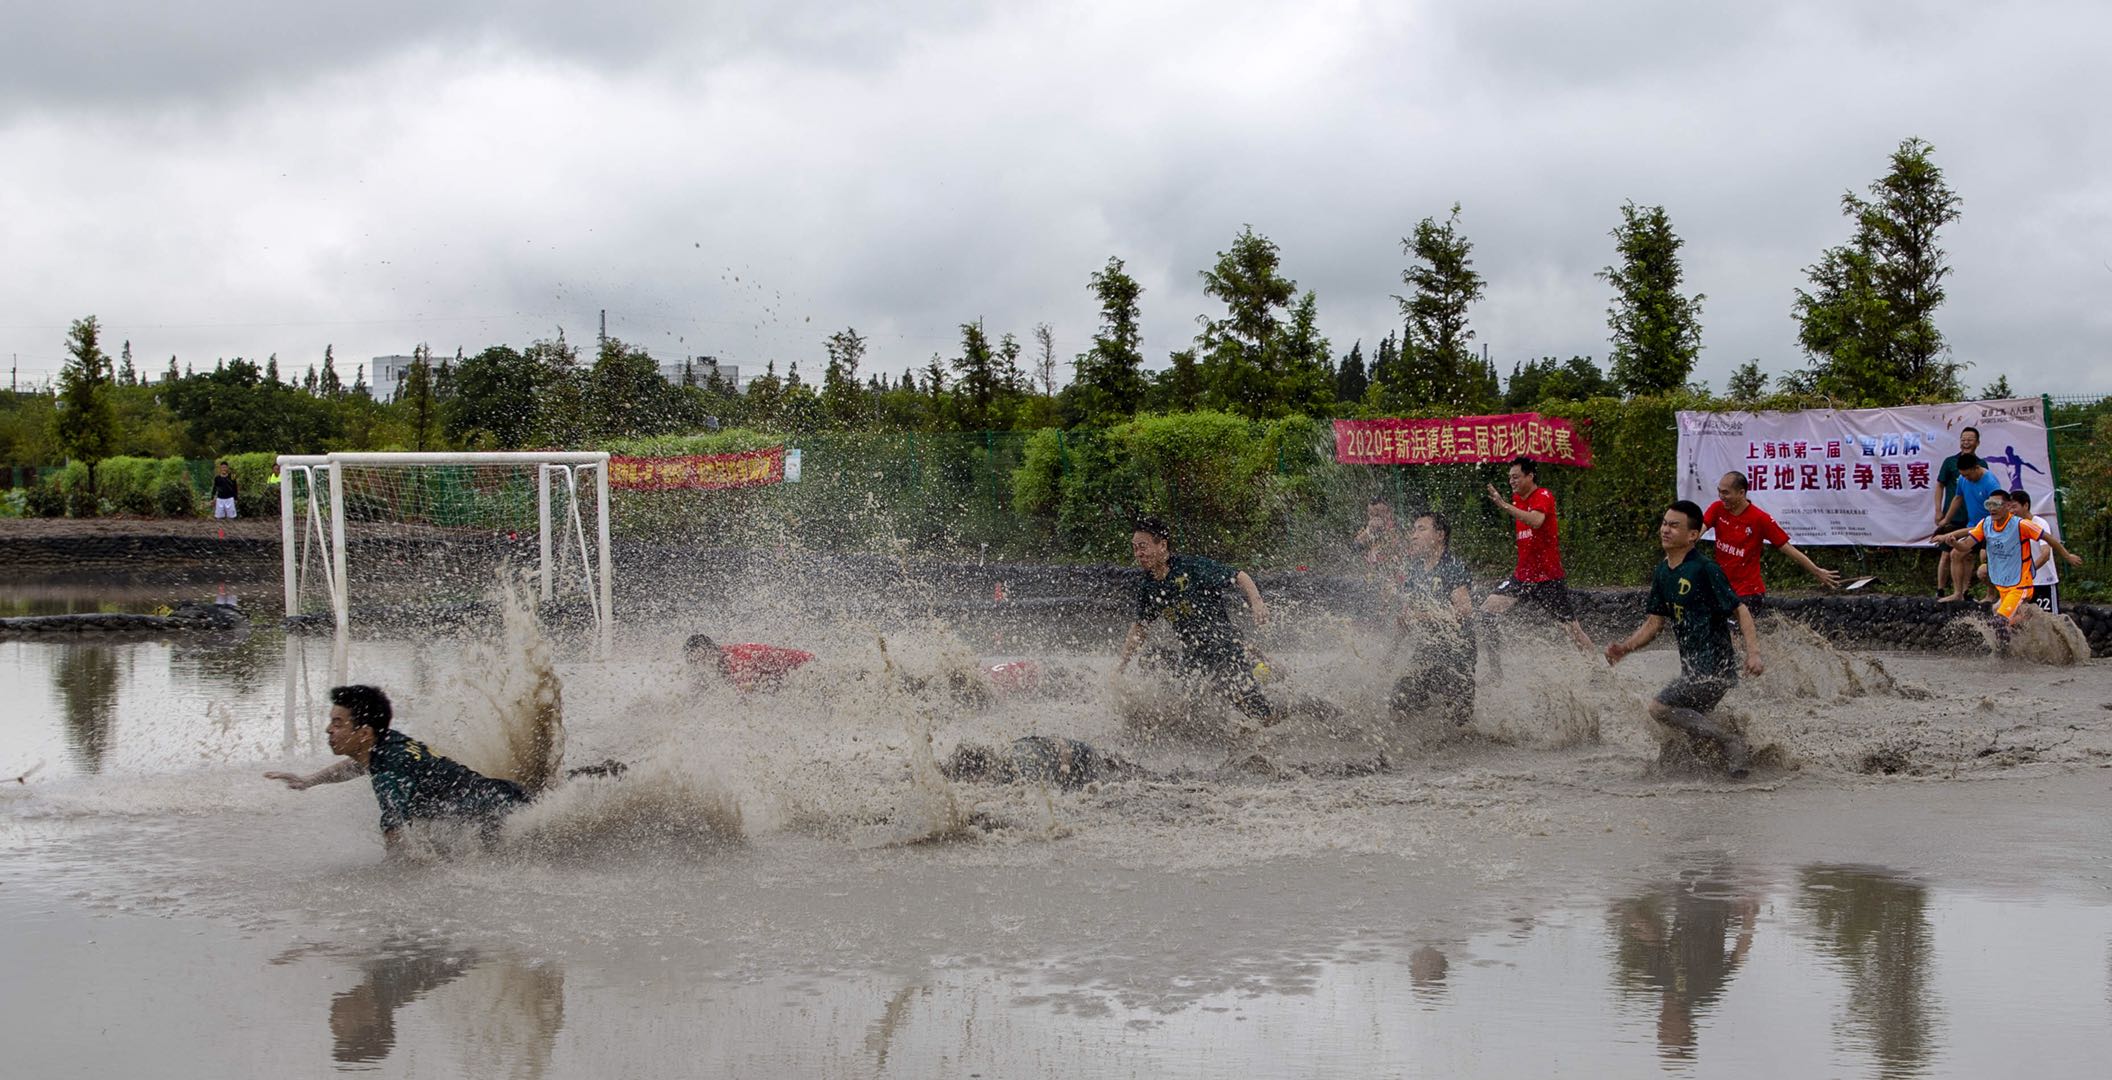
(1739, 538)
(1539, 579)
(751, 666)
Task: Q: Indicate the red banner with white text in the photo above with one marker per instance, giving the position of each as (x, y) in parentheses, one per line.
(697, 471)
(1461, 440)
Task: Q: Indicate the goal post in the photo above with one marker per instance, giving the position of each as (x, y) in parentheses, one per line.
(426, 527)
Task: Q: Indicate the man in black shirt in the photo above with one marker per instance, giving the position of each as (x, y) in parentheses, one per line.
(411, 782)
(1696, 597)
(223, 492)
(1189, 592)
(1436, 602)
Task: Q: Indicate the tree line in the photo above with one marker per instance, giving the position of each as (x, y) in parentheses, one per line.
(1865, 318)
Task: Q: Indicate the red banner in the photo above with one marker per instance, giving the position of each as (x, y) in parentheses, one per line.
(1461, 440)
(751, 469)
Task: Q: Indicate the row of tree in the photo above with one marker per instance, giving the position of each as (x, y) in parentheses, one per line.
(1866, 324)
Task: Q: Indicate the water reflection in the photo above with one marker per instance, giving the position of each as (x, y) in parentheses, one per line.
(1680, 943)
(1875, 926)
(1426, 974)
(237, 662)
(505, 1013)
(85, 677)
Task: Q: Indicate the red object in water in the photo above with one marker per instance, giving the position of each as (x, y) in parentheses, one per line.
(1302, 568)
(999, 595)
(751, 666)
(1015, 676)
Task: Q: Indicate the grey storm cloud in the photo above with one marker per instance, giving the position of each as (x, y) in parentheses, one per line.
(740, 179)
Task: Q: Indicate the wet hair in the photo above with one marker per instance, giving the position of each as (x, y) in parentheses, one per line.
(1736, 480)
(1526, 466)
(1438, 522)
(1692, 512)
(1974, 430)
(367, 705)
(2021, 497)
(1154, 527)
(1970, 461)
(700, 643)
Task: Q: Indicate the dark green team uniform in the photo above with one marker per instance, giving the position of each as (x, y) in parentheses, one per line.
(1192, 597)
(1697, 599)
(414, 784)
(1444, 664)
(1066, 763)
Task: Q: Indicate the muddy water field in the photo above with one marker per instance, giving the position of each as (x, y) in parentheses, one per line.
(1916, 879)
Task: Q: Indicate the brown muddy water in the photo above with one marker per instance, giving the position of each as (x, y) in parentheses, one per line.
(1917, 883)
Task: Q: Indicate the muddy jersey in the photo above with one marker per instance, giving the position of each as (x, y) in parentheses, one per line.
(1539, 552)
(413, 783)
(1192, 597)
(1697, 599)
(2008, 550)
(1426, 591)
(749, 664)
(1739, 538)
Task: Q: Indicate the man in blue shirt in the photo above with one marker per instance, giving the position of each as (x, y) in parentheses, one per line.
(1976, 484)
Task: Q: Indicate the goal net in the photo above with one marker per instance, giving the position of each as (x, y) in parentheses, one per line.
(415, 542)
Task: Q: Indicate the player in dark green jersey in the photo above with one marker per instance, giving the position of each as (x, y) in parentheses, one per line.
(1692, 594)
(1188, 591)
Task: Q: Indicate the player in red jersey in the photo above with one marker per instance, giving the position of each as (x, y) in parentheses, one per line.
(747, 665)
(1741, 530)
(1538, 580)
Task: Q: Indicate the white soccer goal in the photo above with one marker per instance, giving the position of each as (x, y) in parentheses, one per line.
(423, 534)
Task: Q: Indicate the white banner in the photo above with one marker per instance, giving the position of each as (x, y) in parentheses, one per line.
(1862, 476)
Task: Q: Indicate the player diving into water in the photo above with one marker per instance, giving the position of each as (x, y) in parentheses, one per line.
(1038, 759)
(1694, 595)
(1189, 592)
(411, 782)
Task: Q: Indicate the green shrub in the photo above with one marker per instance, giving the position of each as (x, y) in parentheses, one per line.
(82, 503)
(255, 494)
(175, 498)
(44, 500)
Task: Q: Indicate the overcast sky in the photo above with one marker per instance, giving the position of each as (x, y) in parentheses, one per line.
(243, 177)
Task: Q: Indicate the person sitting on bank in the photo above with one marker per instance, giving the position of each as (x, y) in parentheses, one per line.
(411, 782)
(1189, 592)
(748, 665)
(1037, 759)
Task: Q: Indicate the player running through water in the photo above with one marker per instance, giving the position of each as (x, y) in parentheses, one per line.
(1189, 592)
(2008, 538)
(1436, 602)
(1538, 579)
(1741, 530)
(1694, 595)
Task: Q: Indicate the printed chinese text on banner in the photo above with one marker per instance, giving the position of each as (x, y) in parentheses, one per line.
(1862, 476)
(1461, 440)
(697, 471)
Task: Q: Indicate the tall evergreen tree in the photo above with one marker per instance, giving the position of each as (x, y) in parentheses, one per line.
(1656, 330)
(420, 406)
(840, 396)
(1351, 379)
(1108, 384)
(976, 390)
(1045, 358)
(127, 375)
(1437, 364)
(329, 383)
(86, 421)
(1748, 384)
(1868, 320)
(1243, 361)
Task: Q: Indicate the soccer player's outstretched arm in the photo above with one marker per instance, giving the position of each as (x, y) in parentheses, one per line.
(1129, 646)
(1642, 636)
(1829, 578)
(334, 773)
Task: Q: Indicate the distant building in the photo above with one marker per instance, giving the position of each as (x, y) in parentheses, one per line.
(385, 374)
(703, 367)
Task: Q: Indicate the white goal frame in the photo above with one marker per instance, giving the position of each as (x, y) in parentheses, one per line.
(322, 470)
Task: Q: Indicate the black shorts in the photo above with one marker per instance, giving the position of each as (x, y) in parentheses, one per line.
(1549, 596)
(1445, 683)
(2046, 599)
(1697, 692)
(1226, 666)
(1756, 603)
